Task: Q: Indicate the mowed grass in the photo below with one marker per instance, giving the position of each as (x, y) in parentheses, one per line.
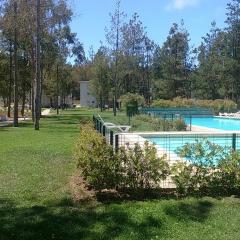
(35, 199)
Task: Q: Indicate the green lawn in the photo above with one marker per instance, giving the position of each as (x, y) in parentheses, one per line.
(35, 200)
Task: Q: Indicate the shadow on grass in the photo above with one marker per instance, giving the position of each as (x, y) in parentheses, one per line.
(133, 194)
(196, 211)
(63, 221)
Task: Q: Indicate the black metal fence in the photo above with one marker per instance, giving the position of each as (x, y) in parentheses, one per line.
(111, 135)
(165, 142)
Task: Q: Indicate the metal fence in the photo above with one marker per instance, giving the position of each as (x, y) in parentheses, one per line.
(169, 112)
(166, 144)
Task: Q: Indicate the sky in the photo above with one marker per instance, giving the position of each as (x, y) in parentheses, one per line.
(92, 16)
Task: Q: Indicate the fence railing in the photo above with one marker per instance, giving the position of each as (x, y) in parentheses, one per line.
(177, 111)
(167, 143)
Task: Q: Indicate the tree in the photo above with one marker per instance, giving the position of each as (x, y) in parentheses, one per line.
(233, 31)
(100, 83)
(15, 119)
(172, 65)
(56, 45)
(113, 37)
(38, 78)
(137, 51)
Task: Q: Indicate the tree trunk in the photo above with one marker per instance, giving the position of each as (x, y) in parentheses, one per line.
(23, 103)
(10, 79)
(32, 100)
(57, 91)
(15, 120)
(38, 70)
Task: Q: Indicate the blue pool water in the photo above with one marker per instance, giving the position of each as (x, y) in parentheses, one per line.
(214, 122)
(172, 143)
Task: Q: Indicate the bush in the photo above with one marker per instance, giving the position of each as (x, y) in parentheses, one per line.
(96, 160)
(226, 180)
(209, 170)
(137, 167)
(142, 168)
(218, 105)
(131, 102)
(157, 124)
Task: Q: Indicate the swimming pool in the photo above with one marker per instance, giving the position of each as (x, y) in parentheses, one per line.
(216, 122)
(171, 143)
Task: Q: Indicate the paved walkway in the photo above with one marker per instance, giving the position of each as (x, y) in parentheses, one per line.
(9, 122)
(46, 112)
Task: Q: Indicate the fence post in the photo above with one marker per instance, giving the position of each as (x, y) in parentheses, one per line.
(100, 126)
(234, 137)
(104, 130)
(111, 138)
(190, 123)
(164, 127)
(116, 142)
(97, 124)
(94, 121)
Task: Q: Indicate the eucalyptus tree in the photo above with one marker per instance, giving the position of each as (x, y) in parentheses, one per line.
(172, 64)
(114, 37)
(137, 50)
(212, 62)
(100, 83)
(233, 31)
(55, 39)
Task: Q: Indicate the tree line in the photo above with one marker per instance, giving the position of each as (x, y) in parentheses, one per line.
(35, 43)
(128, 61)
(131, 62)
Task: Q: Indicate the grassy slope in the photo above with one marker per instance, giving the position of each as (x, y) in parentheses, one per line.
(35, 168)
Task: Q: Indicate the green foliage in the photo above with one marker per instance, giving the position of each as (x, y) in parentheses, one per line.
(226, 179)
(132, 98)
(96, 159)
(217, 105)
(207, 169)
(2, 111)
(142, 168)
(137, 167)
(157, 124)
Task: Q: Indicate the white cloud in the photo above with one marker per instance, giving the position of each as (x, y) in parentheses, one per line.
(181, 4)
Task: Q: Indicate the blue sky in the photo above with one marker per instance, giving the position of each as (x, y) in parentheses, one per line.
(92, 16)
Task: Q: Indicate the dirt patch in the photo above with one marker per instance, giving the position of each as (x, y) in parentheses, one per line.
(79, 190)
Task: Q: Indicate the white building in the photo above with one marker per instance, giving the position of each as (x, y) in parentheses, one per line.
(86, 99)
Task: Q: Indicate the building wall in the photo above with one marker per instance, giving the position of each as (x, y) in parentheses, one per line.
(86, 99)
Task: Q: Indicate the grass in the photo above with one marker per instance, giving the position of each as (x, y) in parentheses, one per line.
(35, 198)
(140, 123)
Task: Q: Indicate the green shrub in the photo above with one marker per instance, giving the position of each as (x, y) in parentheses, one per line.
(96, 160)
(182, 178)
(157, 123)
(226, 180)
(218, 105)
(142, 168)
(131, 102)
(208, 169)
(130, 167)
